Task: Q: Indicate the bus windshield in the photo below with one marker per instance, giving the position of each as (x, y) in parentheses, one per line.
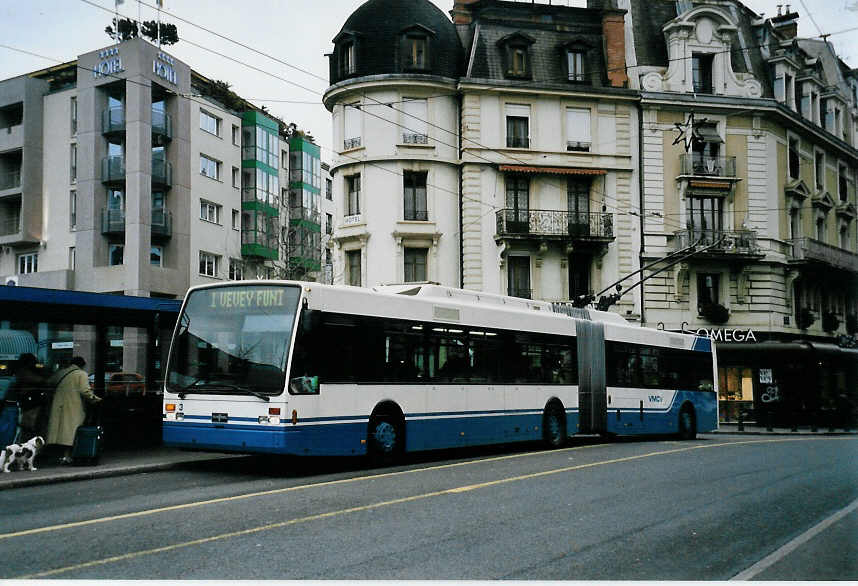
(234, 340)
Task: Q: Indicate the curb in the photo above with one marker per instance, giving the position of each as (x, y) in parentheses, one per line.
(101, 473)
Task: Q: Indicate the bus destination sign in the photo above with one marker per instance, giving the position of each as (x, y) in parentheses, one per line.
(249, 298)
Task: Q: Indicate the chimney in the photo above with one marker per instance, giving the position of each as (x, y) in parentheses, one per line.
(786, 24)
(613, 31)
(461, 13)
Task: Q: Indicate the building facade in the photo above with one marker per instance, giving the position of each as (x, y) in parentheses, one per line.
(493, 152)
(764, 185)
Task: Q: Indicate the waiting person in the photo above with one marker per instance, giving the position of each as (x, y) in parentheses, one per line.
(29, 388)
(67, 410)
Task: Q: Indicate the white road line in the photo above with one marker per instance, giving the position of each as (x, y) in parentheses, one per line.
(790, 547)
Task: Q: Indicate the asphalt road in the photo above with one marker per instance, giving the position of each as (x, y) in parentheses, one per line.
(720, 507)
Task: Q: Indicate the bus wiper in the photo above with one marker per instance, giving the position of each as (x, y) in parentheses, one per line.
(232, 387)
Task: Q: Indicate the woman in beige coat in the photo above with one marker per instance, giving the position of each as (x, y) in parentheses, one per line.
(67, 410)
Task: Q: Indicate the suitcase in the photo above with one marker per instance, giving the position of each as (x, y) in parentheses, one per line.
(88, 442)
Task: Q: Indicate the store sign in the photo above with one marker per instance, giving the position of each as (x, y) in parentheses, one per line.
(110, 64)
(163, 67)
(726, 335)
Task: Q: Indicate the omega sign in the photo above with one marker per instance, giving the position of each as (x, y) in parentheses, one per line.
(162, 66)
(110, 64)
(727, 335)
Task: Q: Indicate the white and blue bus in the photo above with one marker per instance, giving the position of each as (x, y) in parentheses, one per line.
(309, 369)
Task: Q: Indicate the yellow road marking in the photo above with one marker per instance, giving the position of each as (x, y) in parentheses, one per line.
(147, 512)
(457, 490)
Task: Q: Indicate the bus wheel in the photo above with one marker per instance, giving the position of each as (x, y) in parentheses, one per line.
(554, 426)
(687, 423)
(385, 439)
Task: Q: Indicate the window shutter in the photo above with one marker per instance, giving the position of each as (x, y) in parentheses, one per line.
(578, 126)
(414, 117)
(352, 125)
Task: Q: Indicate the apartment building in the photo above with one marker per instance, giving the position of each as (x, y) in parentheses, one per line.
(126, 171)
(492, 152)
(764, 182)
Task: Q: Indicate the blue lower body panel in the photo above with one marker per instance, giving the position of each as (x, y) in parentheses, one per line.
(658, 422)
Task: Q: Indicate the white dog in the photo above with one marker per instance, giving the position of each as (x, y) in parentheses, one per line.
(22, 456)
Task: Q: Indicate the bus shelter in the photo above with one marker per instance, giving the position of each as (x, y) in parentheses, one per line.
(123, 339)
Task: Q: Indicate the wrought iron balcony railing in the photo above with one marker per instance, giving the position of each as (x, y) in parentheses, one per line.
(693, 164)
(555, 223)
(735, 242)
(808, 249)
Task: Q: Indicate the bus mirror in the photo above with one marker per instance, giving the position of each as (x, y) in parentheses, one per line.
(304, 385)
(308, 320)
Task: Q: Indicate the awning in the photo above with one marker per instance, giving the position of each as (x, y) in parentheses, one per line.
(722, 185)
(551, 170)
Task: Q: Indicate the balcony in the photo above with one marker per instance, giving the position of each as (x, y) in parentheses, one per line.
(112, 222)
(11, 137)
(113, 120)
(300, 213)
(555, 224)
(113, 169)
(10, 180)
(258, 244)
(162, 127)
(806, 250)
(10, 225)
(705, 166)
(162, 173)
(162, 224)
(736, 243)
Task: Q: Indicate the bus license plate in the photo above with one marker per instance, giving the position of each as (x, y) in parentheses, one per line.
(219, 418)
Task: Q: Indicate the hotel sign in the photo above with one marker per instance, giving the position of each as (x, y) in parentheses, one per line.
(164, 67)
(110, 64)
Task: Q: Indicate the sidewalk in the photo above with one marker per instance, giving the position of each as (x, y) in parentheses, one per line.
(152, 458)
(112, 463)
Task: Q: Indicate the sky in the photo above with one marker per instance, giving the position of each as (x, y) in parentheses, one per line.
(295, 32)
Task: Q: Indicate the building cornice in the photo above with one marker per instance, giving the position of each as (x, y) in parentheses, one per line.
(335, 92)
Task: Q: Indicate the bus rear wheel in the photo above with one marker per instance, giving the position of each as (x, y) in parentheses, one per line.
(687, 423)
(385, 439)
(554, 426)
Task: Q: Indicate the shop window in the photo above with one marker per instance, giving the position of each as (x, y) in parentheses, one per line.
(736, 390)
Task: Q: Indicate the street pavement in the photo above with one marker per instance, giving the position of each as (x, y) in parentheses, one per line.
(153, 458)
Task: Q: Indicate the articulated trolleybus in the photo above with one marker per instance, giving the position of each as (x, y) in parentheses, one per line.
(297, 368)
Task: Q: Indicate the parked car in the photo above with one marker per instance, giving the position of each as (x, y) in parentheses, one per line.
(121, 382)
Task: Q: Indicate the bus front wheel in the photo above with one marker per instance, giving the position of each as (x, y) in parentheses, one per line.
(385, 438)
(687, 423)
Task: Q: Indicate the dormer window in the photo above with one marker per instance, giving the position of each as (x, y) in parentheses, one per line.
(575, 64)
(414, 47)
(347, 58)
(516, 52)
(701, 70)
(415, 51)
